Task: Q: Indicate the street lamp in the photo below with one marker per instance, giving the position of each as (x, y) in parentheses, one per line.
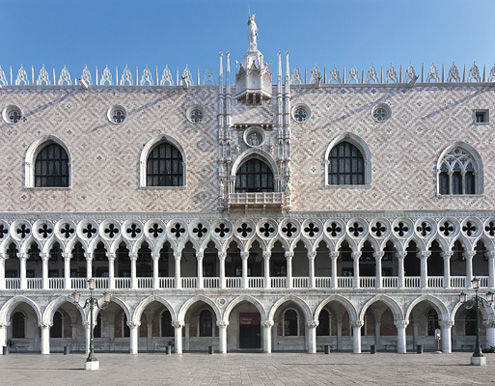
(477, 359)
(91, 362)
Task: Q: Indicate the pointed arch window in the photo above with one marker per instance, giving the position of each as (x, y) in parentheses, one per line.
(254, 175)
(164, 166)
(459, 173)
(346, 165)
(18, 325)
(51, 166)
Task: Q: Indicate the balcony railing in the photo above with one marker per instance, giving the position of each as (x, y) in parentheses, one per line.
(256, 199)
(298, 282)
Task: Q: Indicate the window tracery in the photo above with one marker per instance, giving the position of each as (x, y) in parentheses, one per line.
(457, 173)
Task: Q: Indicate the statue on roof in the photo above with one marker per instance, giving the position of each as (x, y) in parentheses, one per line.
(253, 33)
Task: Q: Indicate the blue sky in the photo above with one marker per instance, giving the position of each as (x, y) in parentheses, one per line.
(153, 32)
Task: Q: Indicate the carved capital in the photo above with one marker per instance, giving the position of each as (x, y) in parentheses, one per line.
(177, 324)
(133, 324)
(66, 255)
(334, 255)
(200, 255)
(469, 254)
(22, 255)
(88, 255)
(267, 254)
(177, 255)
(357, 324)
(401, 254)
(356, 255)
(222, 256)
(424, 254)
(489, 324)
(44, 256)
(244, 255)
(378, 255)
(289, 254)
(268, 323)
(3, 256)
(313, 323)
(311, 255)
(446, 254)
(4, 324)
(111, 256)
(222, 324)
(401, 323)
(45, 325)
(446, 323)
(133, 256)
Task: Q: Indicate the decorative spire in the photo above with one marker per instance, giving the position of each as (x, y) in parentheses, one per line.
(279, 74)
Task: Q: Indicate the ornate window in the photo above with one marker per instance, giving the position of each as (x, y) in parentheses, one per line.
(164, 166)
(300, 113)
(432, 322)
(459, 173)
(381, 112)
(290, 323)
(12, 114)
(116, 114)
(346, 165)
(254, 175)
(51, 166)
(18, 325)
(166, 324)
(205, 323)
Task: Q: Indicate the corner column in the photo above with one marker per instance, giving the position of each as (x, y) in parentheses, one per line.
(401, 335)
(311, 258)
(67, 257)
(111, 271)
(178, 281)
(356, 336)
(244, 258)
(267, 336)
(178, 336)
(133, 258)
(222, 336)
(134, 335)
(424, 268)
(45, 338)
(312, 324)
(356, 256)
(44, 270)
(199, 260)
(3, 335)
(288, 256)
(334, 256)
(266, 268)
(446, 335)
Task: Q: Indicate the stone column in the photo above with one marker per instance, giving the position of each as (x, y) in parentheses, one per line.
(156, 279)
(491, 269)
(89, 264)
(199, 260)
(334, 256)
(490, 333)
(44, 270)
(133, 258)
(267, 336)
(222, 336)
(446, 268)
(469, 267)
(266, 268)
(356, 256)
(3, 256)
(3, 335)
(288, 256)
(178, 336)
(178, 280)
(311, 261)
(400, 262)
(446, 338)
(221, 258)
(378, 258)
(356, 336)
(22, 268)
(244, 258)
(401, 335)
(67, 282)
(424, 268)
(311, 330)
(45, 338)
(134, 336)
(111, 270)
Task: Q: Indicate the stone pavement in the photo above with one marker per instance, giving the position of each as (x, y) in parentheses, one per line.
(247, 369)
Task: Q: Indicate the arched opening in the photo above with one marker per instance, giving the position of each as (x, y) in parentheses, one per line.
(12, 267)
(346, 165)
(51, 166)
(78, 263)
(100, 261)
(233, 262)
(166, 263)
(412, 264)
(56, 261)
(367, 263)
(122, 262)
(67, 329)
(460, 172)
(210, 258)
(334, 328)
(289, 329)
(464, 329)
(255, 260)
(458, 260)
(345, 266)
(34, 266)
(423, 321)
(144, 262)
(200, 327)
(379, 328)
(189, 265)
(254, 175)
(323, 265)
(300, 266)
(480, 260)
(435, 260)
(164, 166)
(156, 331)
(390, 264)
(23, 334)
(278, 262)
(244, 331)
(113, 329)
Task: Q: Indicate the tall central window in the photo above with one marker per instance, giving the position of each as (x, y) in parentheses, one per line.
(254, 175)
(51, 167)
(346, 165)
(164, 166)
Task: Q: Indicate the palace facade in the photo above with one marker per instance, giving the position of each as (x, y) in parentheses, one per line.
(271, 213)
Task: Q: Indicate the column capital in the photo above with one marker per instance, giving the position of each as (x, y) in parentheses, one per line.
(446, 323)
(446, 254)
(200, 255)
(222, 324)
(313, 323)
(311, 255)
(88, 255)
(489, 324)
(401, 254)
(222, 255)
(401, 323)
(356, 255)
(177, 324)
(111, 256)
(22, 255)
(267, 254)
(378, 255)
(469, 254)
(357, 324)
(424, 254)
(66, 255)
(3, 256)
(268, 323)
(334, 254)
(177, 255)
(244, 255)
(289, 254)
(44, 256)
(45, 325)
(133, 256)
(133, 324)
(4, 324)
(490, 253)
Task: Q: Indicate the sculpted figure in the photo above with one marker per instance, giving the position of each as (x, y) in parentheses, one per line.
(253, 33)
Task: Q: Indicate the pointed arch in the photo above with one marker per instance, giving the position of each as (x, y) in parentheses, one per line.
(391, 303)
(26, 244)
(125, 307)
(295, 299)
(72, 243)
(439, 306)
(283, 241)
(348, 306)
(138, 311)
(258, 154)
(94, 244)
(115, 244)
(250, 242)
(149, 147)
(487, 311)
(360, 144)
(307, 243)
(245, 298)
(32, 152)
(188, 303)
(10, 305)
(53, 306)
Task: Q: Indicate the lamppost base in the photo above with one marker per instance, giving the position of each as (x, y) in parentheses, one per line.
(92, 365)
(478, 361)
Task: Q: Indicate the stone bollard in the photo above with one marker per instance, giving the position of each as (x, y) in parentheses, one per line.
(5, 350)
(419, 349)
(66, 350)
(372, 349)
(169, 350)
(327, 349)
(210, 350)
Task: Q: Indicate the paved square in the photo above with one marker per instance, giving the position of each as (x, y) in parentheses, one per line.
(248, 369)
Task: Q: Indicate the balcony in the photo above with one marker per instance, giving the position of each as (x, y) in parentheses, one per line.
(252, 200)
(247, 283)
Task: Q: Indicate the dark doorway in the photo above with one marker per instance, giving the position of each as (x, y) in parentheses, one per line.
(249, 330)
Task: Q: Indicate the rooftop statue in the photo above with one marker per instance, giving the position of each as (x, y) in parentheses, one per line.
(253, 33)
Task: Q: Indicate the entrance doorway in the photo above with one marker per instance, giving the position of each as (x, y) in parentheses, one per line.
(249, 330)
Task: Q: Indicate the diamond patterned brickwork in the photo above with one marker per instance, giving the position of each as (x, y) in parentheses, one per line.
(404, 149)
(105, 157)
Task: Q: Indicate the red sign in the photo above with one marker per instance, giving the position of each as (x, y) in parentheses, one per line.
(249, 318)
